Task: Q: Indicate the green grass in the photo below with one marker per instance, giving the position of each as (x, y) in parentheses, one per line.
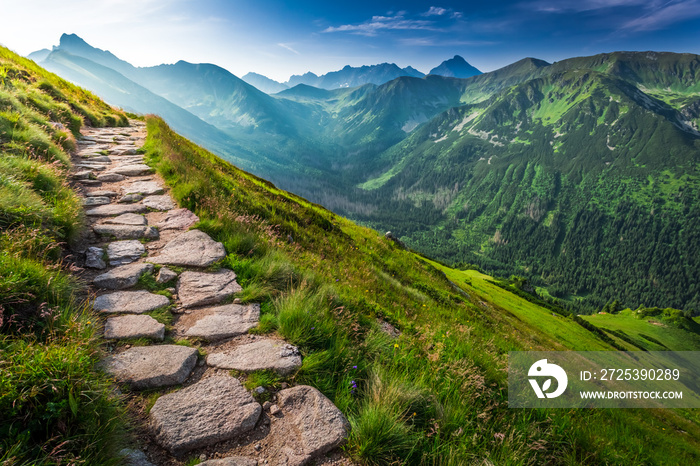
(649, 333)
(329, 291)
(56, 408)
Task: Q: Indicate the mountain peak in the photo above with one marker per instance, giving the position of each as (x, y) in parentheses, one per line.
(72, 40)
(455, 67)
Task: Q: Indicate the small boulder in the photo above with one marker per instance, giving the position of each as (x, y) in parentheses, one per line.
(130, 198)
(126, 231)
(134, 458)
(263, 354)
(162, 202)
(213, 410)
(144, 367)
(96, 200)
(200, 288)
(193, 248)
(127, 219)
(94, 258)
(178, 219)
(124, 252)
(132, 170)
(221, 322)
(165, 275)
(114, 209)
(145, 188)
(133, 302)
(134, 326)
(110, 177)
(312, 423)
(82, 175)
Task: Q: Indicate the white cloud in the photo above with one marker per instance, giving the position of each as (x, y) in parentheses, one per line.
(288, 47)
(664, 16)
(435, 11)
(383, 23)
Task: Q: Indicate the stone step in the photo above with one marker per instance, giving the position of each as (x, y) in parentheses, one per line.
(94, 258)
(122, 277)
(111, 177)
(131, 169)
(130, 198)
(144, 367)
(113, 209)
(101, 193)
(213, 410)
(124, 252)
(96, 200)
(201, 288)
(265, 354)
(178, 219)
(217, 323)
(126, 231)
(308, 426)
(126, 219)
(130, 302)
(193, 248)
(162, 202)
(134, 326)
(145, 188)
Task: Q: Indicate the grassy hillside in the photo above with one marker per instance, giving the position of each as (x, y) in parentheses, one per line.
(432, 393)
(55, 408)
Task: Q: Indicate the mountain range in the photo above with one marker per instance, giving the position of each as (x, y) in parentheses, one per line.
(456, 67)
(581, 175)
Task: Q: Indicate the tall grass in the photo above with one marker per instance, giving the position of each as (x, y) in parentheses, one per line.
(56, 408)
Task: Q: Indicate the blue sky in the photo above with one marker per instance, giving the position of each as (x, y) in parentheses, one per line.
(278, 39)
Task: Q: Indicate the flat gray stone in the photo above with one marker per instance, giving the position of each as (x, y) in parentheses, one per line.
(178, 219)
(124, 252)
(99, 158)
(213, 410)
(110, 177)
(96, 200)
(165, 275)
(92, 166)
(114, 209)
(82, 175)
(132, 170)
(101, 193)
(90, 182)
(126, 231)
(193, 248)
(146, 188)
(231, 461)
(123, 150)
(311, 425)
(131, 302)
(134, 458)
(134, 326)
(200, 288)
(94, 258)
(122, 277)
(221, 322)
(144, 367)
(162, 202)
(130, 198)
(126, 219)
(263, 354)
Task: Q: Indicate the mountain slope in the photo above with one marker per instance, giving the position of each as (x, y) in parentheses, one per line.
(567, 178)
(455, 67)
(263, 83)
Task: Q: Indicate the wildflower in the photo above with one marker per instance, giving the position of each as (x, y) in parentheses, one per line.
(354, 367)
(396, 345)
(313, 328)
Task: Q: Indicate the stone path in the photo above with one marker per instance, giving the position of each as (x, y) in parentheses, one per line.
(137, 236)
